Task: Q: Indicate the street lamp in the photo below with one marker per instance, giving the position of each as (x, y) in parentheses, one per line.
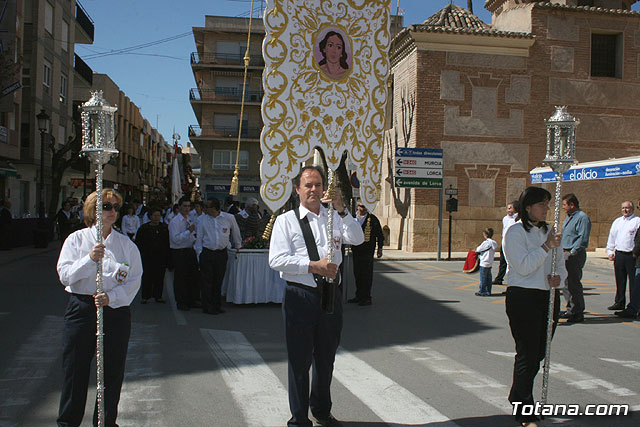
(98, 145)
(42, 234)
(561, 154)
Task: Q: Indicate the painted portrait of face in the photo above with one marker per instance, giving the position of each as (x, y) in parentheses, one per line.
(333, 53)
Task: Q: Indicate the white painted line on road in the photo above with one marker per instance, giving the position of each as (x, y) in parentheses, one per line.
(387, 399)
(483, 387)
(29, 368)
(257, 391)
(581, 380)
(626, 363)
(141, 397)
(168, 288)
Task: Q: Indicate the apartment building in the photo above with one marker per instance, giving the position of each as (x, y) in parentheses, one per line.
(138, 170)
(218, 70)
(482, 93)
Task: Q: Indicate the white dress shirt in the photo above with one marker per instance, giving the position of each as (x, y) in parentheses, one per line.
(170, 215)
(215, 233)
(288, 252)
(507, 222)
(77, 271)
(488, 249)
(529, 264)
(623, 230)
(130, 224)
(179, 235)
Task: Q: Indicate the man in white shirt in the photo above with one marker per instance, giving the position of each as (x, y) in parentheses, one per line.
(508, 220)
(619, 247)
(312, 334)
(215, 231)
(186, 278)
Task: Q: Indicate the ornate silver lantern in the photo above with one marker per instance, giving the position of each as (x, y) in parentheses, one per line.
(561, 155)
(98, 144)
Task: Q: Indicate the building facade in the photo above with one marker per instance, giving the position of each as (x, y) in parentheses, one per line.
(482, 92)
(218, 70)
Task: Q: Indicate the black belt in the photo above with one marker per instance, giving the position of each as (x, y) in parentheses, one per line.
(300, 285)
(214, 250)
(623, 252)
(182, 249)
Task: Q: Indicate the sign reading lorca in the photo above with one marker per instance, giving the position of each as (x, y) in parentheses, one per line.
(418, 168)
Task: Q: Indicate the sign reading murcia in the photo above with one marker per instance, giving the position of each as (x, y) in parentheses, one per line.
(325, 86)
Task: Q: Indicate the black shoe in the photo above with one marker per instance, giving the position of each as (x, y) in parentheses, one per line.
(196, 304)
(354, 300)
(160, 300)
(144, 301)
(575, 318)
(219, 310)
(616, 306)
(497, 283)
(626, 314)
(205, 311)
(183, 307)
(365, 302)
(328, 421)
(565, 315)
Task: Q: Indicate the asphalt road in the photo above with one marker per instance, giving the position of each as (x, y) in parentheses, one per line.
(427, 352)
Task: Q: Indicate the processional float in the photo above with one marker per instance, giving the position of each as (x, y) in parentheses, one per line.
(561, 155)
(325, 87)
(98, 145)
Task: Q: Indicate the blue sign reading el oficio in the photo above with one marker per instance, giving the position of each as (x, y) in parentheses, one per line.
(578, 173)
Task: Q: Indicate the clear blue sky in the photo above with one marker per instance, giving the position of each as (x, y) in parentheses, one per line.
(158, 78)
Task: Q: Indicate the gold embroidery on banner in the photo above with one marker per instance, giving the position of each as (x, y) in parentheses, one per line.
(304, 107)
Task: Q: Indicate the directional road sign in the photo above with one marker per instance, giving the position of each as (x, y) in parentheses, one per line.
(418, 168)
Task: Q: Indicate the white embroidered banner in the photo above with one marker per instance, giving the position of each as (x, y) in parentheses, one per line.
(325, 85)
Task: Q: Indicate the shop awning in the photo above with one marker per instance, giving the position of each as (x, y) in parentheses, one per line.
(602, 169)
(7, 169)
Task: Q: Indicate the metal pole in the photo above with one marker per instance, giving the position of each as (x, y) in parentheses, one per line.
(439, 256)
(330, 250)
(449, 258)
(99, 310)
(552, 294)
(42, 196)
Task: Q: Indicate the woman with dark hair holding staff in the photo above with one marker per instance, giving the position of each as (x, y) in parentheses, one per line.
(527, 247)
(77, 269)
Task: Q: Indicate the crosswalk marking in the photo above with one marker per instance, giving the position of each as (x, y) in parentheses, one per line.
(387, 399)
(141, 396)
(583, 381)
(29, 368)
(627, 363)
(485, 388)
(257, 391)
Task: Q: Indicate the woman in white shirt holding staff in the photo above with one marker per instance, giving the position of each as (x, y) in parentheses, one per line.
(527, 248)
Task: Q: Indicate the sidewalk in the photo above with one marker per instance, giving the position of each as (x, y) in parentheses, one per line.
(21, 252)
(597, 257)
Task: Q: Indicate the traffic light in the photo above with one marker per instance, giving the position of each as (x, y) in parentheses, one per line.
(452, 205)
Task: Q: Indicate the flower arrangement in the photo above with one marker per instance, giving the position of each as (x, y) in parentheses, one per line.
(255, 242)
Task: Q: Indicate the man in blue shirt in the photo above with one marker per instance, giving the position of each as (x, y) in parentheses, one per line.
(575, 239)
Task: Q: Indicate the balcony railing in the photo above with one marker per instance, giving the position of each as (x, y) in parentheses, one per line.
(85, 21)
(225, 59)
(224, 94)
(196, 131)
(83, 69)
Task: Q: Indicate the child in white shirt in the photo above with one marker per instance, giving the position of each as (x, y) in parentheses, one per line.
(486, 252)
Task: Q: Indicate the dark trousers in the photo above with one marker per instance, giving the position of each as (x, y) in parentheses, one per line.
(363, 273)
(575, 264)
(502, 269)
(624, 266)
(213, 266)
(527, 310)
(312, 338)
(634, 301)
(152, 279)
(79, 350)
(186, 278)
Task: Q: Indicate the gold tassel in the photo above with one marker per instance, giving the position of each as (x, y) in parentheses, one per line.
(367, 230)
(234, 183)
(269, 228)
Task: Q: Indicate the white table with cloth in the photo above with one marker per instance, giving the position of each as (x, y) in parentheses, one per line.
(250, 280)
